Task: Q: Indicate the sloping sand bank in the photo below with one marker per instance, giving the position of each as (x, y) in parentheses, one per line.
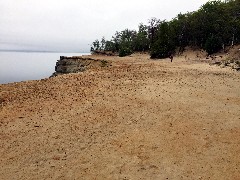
(138, 119)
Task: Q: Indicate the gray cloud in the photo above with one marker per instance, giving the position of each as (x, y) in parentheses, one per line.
(71, 25)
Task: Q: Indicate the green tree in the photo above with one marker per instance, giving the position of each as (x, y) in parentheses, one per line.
(163, 45)
(103, 44)
(95, 46)
(233, 9)
(213, 44)
(141, 42)
(153, 25)
(127, 38)
(110, 46)
(208, 23)
(215, 25)
(181, 30)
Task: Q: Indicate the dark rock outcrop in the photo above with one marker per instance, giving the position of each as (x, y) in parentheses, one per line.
(76, 64)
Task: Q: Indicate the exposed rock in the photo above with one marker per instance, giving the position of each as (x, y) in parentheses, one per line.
(233, 64)
(76, 64)
(227, 59)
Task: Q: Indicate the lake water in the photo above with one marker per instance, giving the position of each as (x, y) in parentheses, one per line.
(22, 66)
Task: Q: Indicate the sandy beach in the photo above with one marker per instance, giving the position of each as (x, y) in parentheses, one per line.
(136, 119)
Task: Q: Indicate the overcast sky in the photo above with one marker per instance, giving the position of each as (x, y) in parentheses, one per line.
(72, 25)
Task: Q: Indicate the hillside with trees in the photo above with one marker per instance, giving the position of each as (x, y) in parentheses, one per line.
(213, 27)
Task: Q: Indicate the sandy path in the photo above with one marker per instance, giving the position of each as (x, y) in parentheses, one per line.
(137, 119)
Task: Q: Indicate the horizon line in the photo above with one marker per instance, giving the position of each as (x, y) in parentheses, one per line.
(40, 51)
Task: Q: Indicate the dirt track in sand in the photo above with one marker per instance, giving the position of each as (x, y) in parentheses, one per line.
(137, 119)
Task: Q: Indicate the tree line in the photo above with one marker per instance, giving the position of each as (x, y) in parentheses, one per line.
(213, 27)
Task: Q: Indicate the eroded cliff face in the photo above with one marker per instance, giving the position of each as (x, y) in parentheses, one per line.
(76, 64)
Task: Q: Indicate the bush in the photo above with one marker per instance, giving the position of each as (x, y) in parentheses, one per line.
(161, 51)
(124, 51)
(213, 44)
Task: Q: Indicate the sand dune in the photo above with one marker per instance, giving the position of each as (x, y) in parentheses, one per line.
(137, 119)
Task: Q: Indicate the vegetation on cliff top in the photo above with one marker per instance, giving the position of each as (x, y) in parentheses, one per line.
(213, 27)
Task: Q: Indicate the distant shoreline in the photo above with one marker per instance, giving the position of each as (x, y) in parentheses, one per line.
(22, 66)
(30, 51)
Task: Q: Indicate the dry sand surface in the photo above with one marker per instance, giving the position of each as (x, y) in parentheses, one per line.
(137, 119)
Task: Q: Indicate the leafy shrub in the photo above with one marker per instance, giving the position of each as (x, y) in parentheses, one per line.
(124, 51)
(213, 44)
